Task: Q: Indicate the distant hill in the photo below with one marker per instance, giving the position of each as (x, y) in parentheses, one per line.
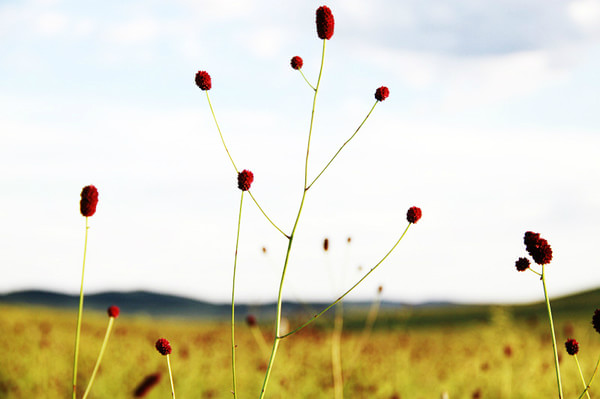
(392, 314)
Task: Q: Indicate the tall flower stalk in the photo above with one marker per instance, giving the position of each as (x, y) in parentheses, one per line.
(164, 348)
(87, 206)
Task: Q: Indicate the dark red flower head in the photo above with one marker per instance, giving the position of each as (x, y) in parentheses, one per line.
(596, 320)
(251, 320)
(203, 80)
(326, 244)
(382, 93)
(538, 248)
(245, 179)
(522, 264)
(413, 215)
(296, 62)
(113, 311)
(89, 200)
(325, 22)
(163, 347)
(572, 346)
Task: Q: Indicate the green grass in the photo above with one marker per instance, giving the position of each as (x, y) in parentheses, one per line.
(495, 350)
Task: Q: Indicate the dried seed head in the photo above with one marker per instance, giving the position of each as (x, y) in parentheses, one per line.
(522, 264)
(203, 80)
(296, 62)
(163, 346)
(325, 22)
(89, 200)
(414, 214)
(113, 311)
(382, 93)
(572, 346)
(245, 179)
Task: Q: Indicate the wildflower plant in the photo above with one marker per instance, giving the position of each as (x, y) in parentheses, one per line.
(163, 346)
(325, 25)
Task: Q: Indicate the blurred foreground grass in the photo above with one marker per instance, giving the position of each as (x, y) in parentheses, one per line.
(493, 354)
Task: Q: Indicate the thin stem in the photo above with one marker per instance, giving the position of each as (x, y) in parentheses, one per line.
(315, 317)
(343, 145)
(336, 354)
(306, 80)
(97, 366)
(220, 134)
(79, 314)
(587, 388)
(235, 167)
(265, 215)
(533, 271)
(312, 117)
(581, 375)
(291, 240)
(237, 241)
(556, 365)
(171, 376)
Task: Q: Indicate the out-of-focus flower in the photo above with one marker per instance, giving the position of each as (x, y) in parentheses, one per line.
(113, 311)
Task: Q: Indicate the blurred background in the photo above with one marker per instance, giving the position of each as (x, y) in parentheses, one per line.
(491, 127)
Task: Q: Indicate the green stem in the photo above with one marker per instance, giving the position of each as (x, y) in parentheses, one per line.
(581, 375)
(306, 80)
(97, 366)
(312, 117)
(291, 240)
(171, 376)
(315, 317)
(265, 215)
(587, 388)
(79, 314)
(220, 134)
(343, 145)
(556, 365)
(237, 241)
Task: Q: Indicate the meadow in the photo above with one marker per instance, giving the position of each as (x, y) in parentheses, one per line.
(471, 352)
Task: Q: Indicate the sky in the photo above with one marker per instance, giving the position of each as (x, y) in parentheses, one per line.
(491, 128)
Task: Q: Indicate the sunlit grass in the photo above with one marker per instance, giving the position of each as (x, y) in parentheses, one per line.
(501, 357)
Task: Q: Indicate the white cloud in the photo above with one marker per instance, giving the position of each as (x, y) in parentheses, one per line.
(133, 32)
(51, 23)
(586, 14)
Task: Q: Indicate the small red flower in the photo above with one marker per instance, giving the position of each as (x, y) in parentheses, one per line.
(572, 346)
(113, 311)
(296, 62)
(203, 80)
(251, 320)
(538, 248)
(89, 200)
(522, 264)
(596, 320)
(382, 93)
(245, 179)
(163, 346)
(413, 215)
(325, 22)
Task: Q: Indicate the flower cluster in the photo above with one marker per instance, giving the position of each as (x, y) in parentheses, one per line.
(413, 215)
(325, 22)
(245, 179)
(163, 346)
(572, 346)
(203, 80)
(296, 62)
(113, 311)
(538, 248)
(89, 200)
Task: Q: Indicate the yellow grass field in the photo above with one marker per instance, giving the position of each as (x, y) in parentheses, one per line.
(500, 358)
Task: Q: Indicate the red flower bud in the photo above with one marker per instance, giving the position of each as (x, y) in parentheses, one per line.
(245, 179)
(203, 80)
(89, 200)
(382, 93)
(296, 62)
(413, 215)
(325, 22)
(163, 346)
(113, 311)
